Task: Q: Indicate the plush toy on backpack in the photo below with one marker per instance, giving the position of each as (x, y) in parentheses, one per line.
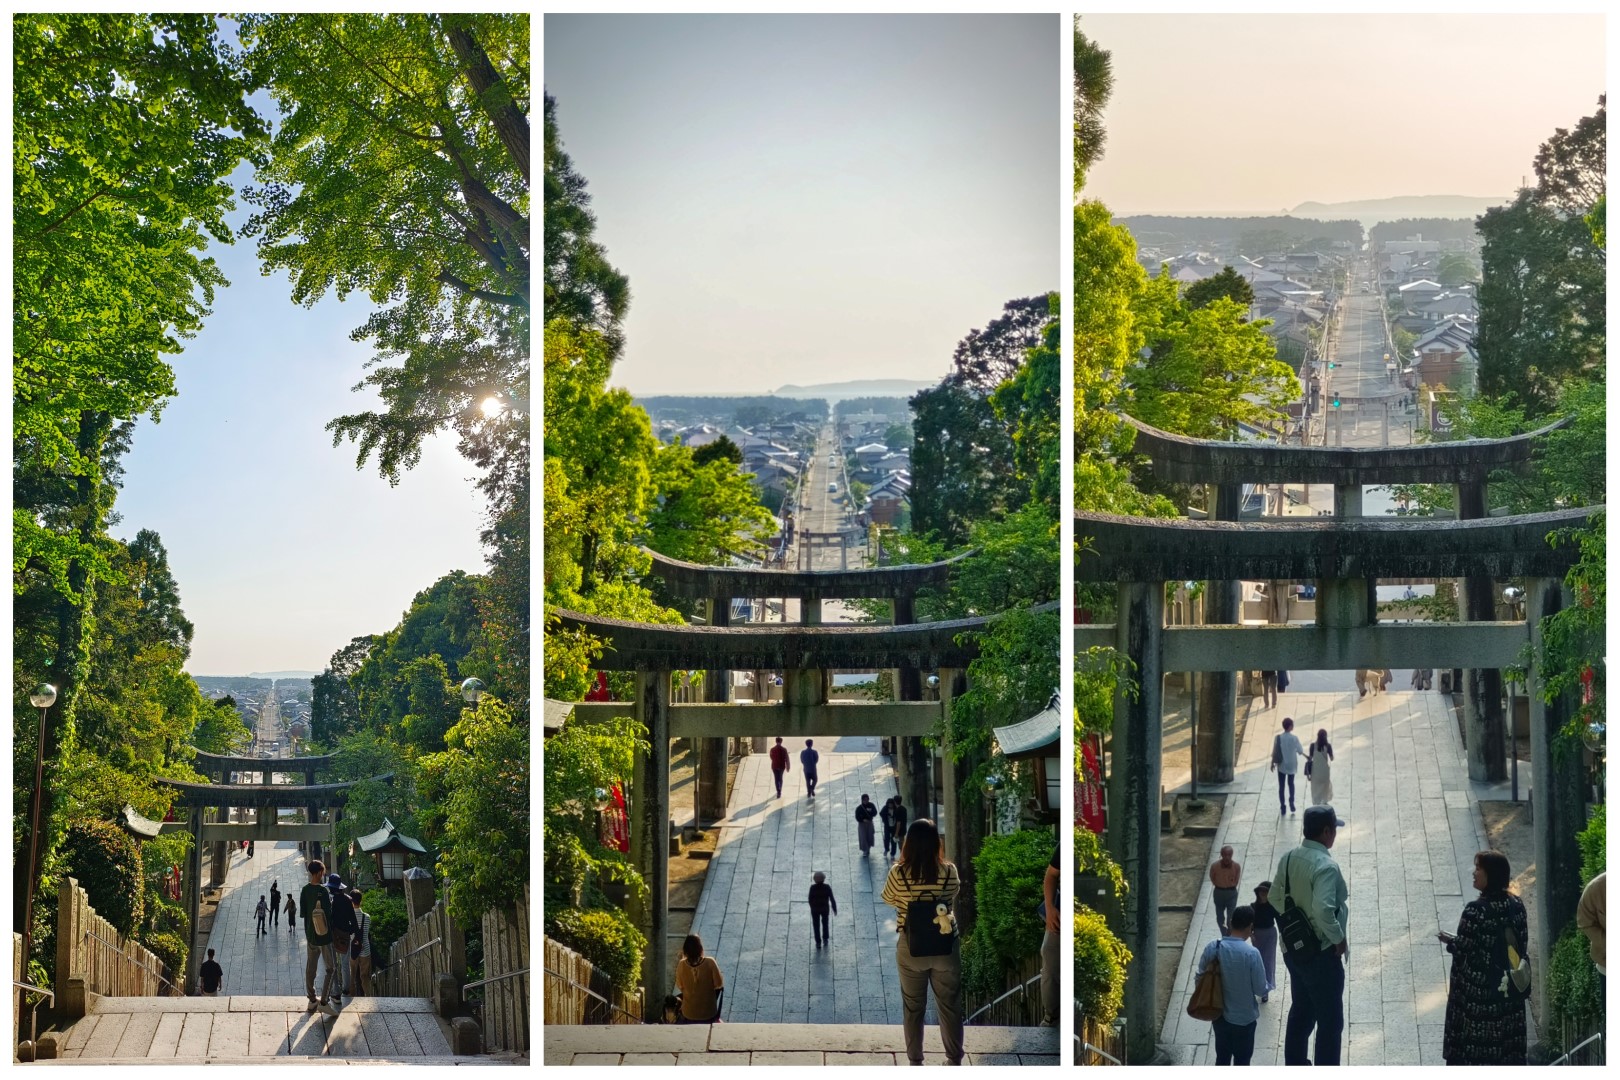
(944, 920)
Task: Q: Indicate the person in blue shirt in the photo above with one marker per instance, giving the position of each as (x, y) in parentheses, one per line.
(1243, 984)
(807, 761)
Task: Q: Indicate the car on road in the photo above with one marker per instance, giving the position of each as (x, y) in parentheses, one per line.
(833, 487)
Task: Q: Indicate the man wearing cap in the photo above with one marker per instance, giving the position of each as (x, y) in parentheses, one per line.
(1309, 877)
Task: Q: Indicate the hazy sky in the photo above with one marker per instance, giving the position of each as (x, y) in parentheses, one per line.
(1262, 112)
(817, 198)
(281, 549)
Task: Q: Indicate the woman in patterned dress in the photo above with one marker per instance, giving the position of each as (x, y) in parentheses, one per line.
(1485, 1022)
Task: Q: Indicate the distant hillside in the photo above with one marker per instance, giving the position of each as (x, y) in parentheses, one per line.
(1252, 235)
(1369, 211)
(836, 392)
(294, 675)
(231, 683)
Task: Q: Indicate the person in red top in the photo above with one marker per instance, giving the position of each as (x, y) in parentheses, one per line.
(779, 764)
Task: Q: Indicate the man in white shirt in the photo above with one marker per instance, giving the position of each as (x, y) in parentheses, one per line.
(1285, 754)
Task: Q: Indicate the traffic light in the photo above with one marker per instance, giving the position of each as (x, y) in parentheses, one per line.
(1332, 365)
(1335, 401)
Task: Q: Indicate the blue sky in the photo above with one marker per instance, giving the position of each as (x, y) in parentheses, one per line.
(813, 198)
(283, 551)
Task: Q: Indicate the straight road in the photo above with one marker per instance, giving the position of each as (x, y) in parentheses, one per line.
(824, 510)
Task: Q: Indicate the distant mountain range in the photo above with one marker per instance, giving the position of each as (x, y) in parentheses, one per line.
(1402, 206)
(834, 392)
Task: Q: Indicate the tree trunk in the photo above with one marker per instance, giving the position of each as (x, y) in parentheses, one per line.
(493, 97)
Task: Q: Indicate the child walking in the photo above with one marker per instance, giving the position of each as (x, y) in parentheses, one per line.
(822, 902)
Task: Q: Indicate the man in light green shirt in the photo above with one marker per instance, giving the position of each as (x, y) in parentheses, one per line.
(1310, 878)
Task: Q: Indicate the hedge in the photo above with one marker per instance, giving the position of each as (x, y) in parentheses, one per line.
(107, 863)
(1572, 989)
(1099, 966)
(388, 918)
(1010, 869)
(170, 948)
(1593, 840)
(604, 936)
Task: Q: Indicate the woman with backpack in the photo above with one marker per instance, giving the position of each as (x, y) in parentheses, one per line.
(922, 887)
(1490, 972)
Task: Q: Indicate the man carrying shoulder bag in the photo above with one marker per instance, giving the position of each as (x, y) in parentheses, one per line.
(1312, 928)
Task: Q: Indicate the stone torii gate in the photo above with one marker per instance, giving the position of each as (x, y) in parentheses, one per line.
(198, 798)
(804, 654)
(1141, 555)
(1227, 466)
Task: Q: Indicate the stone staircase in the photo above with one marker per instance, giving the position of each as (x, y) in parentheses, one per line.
(262, 1030)
(785, 1044)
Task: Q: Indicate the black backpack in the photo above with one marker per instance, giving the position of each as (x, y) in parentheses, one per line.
(1294, 927)
(923, 935)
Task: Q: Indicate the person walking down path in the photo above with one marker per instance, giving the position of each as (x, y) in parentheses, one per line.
(864, 833)
(292, 913)
(360, 951)
(779, 764)
(1319, 767)
(211, 975)
(1265, 935)
(316, 904)
(807, 762)
(900, 816)
(1312, 881)
(886, 815)
(1285, 754)
(1485, 1022)
(924, 878)
(275, 903)
(1243, 984)
(344, 926)
(261, 913)
(1268, 689)
(823, 904)
(1224, 875)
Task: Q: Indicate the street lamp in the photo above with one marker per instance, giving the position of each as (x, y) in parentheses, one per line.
(43, 697)
(471, 691)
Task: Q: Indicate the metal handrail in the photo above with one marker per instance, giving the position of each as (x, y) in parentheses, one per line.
(1099, 1051)
(419, 948)
(137, 963)
(593, 993)
(36, 989)
(497, 978)
(1021, 988)
(1585, 1042)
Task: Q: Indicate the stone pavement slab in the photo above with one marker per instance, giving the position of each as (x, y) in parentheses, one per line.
(1412, 827)
(754, 915)
(787, 1044)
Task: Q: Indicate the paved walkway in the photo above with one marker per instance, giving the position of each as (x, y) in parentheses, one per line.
(1412, 827)
(754, 916)
(254, 964)
(218, 1029)
(785, 1044)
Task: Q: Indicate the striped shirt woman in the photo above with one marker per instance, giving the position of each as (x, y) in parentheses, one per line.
(923, 873)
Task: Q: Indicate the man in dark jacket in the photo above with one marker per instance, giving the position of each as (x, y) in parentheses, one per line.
(807, 761)
(779, 764)
(312, 898)
(344, 927)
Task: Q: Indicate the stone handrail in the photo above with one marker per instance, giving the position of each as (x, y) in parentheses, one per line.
(92, 957)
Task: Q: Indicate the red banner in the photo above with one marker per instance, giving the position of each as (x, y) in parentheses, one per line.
(1088, 790)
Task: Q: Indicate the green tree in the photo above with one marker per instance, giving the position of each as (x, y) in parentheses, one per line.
(1208, 370)
(721, 449)
(1571, 166)
(478, 788)
(1029, 403)
(125, 127)
(334, 708)
(1093, 86)
(705, 513)
(1228, 283)
(1455, 269)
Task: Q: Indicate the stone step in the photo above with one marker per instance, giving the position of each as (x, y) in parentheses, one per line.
(785, 1044)
(179, 1029)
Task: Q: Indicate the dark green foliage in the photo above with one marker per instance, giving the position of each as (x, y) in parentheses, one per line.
(607, 938)
(1570, 166)
(1263, 233)
(106, 861)
(1541, 302)
(1093, 86)
(580, 284)
(721, 449)
(1428, 228)
(1099, 966)
(746, 411)
(335, 707)
(1572, 989)
(895, 408)
(960, 462)
(1009, 871)
(1228, 283)
(171, 948)
(1594, 850)
(388, 918)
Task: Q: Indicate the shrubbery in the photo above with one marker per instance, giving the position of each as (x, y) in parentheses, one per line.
(170, 948)
(606, 937)
(106, 861)
(1099, 966)
(388, 919)
(1572, 989)
(1009, 870)
(1593, 840)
